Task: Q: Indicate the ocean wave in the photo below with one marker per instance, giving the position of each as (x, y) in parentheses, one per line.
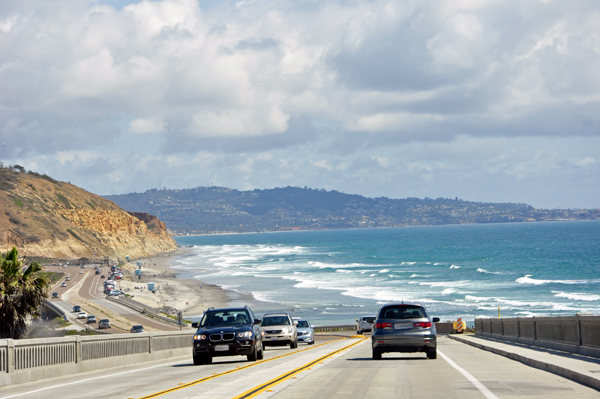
(384, 271)
(448, 291)
(576, 296)
(528, 280)
(454, 267)
(407, 263)
(480, 270)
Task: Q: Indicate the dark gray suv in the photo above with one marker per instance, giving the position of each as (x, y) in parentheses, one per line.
(403, 327)
(227, 332)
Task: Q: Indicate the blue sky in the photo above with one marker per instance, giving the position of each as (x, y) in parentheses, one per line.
(481, 100)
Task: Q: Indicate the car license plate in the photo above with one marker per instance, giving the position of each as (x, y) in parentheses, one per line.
(402, 326)
(221, 348)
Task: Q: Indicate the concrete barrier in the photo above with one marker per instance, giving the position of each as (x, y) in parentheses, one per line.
(37, 359)
(576, 334)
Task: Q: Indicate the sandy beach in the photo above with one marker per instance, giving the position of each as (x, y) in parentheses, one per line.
(191, 296)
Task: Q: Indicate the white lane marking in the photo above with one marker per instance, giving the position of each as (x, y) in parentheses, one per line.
(482, 388)
(90, 379)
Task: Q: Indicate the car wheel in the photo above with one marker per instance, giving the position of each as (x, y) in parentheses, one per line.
(432, 353)
(311, 343)
(207, 359)
(358, 332)
(197, 360)
(376, 354)
(261, 353)
(252, 357)
(294, 344)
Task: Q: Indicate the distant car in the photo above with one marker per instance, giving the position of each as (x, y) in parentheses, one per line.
(404, 328)
(279, 329)
(81, 272)
(102, 276)
(54, 295)
(115, 293)
(76, 308)
(67, 278)
(96, 267)
(82, 315)
(104, 323)
(91, 319)
(63, 284)
(306, 333)
(97, 271)
(137, 329)
(364, 323)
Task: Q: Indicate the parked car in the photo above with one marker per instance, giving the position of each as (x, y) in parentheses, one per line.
(404, 328)
(115, 293)
(137, 329)
(91, 319)
(227, 332)
(279, 329)
(104, 323)
(364, 323)
(76, 308)
(306, 333)
(82, 315)
(54, 295)
(63, 284)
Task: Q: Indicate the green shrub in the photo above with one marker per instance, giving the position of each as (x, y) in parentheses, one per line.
(64, 200)
(18, 202)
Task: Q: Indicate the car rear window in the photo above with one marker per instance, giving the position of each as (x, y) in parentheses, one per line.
(402, 312)
(369, 319)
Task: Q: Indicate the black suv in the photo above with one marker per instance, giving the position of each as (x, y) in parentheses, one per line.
(227, 332)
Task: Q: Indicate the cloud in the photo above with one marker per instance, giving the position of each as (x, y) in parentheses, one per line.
(345, 95)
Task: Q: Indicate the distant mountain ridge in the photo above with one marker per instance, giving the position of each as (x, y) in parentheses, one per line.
(48, 218)
(206, 210)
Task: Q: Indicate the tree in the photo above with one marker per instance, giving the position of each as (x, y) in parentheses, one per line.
(22, 294)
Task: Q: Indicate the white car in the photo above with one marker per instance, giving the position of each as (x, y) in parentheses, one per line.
(63, 284)
(82, 315)
(81, 272)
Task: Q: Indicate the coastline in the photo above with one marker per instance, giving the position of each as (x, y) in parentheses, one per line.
(191, 296)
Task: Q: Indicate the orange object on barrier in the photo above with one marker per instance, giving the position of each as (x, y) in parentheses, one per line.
(459, 326)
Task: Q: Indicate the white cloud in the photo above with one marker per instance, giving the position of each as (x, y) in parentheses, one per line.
(253, 92)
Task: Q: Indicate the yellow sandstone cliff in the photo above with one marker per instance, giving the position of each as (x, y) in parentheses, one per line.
(48, 218)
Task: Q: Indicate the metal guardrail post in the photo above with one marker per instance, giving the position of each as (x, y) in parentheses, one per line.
(579, 339)
(150, 344)
(10, 356)
(78, 355)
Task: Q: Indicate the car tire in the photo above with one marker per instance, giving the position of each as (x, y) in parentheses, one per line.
(294, 344)
(197, 360)
(432, 353)
(261, 353)
(207, 359)
(253, 356)
(376, 354)
(311, 343)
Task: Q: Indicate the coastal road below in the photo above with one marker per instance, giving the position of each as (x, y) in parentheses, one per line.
(332, 368)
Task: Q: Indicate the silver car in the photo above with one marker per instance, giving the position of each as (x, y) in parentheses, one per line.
(364, 323)
(306, 333)
(279, 329)
(401, 327)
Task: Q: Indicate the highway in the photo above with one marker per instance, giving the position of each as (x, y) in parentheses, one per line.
(86, 290)
(334, 367)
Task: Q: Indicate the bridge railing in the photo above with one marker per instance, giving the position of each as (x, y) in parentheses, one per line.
(36, 359)
(577, 334)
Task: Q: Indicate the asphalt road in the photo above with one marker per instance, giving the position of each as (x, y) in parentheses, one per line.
(89, 285)
(332, 368)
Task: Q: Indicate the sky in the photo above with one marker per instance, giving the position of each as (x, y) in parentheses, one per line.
(484, 100)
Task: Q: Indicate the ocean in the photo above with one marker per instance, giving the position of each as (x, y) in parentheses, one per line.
(467, 271)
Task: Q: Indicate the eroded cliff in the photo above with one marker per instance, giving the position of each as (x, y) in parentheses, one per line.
(45, 217)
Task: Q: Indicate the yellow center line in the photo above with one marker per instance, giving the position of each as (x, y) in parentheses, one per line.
(210, 377)
(290, 374)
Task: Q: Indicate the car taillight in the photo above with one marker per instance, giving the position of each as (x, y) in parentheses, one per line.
(383, 325)
(423, 324)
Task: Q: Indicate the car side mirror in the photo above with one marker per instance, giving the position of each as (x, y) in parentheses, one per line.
(436, 319)
(195, 324)
(295, 323)
(256, 321)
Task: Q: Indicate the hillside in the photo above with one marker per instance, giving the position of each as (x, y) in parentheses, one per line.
(45, 217)
(205, 210)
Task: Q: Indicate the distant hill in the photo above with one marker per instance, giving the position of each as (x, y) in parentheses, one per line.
(48, 218)
(205, 210)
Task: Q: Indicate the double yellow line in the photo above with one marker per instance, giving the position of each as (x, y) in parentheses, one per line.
(201, 380)
(263, 387)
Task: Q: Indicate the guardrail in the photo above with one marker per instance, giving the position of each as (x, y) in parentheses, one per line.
(576, 334)
(342, 327)
(143, 310)
(30, 360)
